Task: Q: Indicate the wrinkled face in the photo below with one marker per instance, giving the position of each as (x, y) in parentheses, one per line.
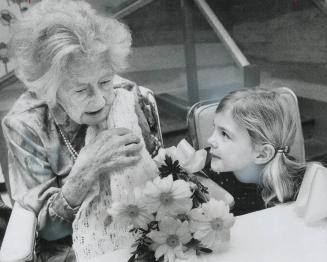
(87, 93)
(231, 146)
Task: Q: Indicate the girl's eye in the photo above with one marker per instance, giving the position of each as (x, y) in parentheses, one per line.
(224, 134)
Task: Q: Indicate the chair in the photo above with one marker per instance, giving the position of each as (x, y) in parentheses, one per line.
(19, 241)
(201, 115)
(311, 201)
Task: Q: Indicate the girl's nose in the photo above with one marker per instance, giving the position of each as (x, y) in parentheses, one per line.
(212, 141)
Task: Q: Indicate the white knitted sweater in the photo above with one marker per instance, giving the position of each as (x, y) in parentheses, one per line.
(93, 231)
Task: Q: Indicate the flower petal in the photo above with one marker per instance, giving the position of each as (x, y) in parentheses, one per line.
(160, 157)
(170, 255)
(169, 225)
(196, 226)
(157, 236)
(161, 250)
(209, 239)
(165, 184)
(151, 189)
(162, 212)
(183, 233)
(229, 221)
(181, 189)
(196, 162)
(198, 214)
(184, 151)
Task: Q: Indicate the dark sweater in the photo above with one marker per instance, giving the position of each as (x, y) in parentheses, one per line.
(247, 197)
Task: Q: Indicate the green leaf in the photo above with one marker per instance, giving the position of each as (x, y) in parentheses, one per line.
(205, 250)
(132, 258)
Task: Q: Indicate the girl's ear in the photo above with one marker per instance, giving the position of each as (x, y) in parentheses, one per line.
(264, 154)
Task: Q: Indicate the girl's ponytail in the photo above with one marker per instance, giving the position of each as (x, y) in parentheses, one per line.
(280, 178)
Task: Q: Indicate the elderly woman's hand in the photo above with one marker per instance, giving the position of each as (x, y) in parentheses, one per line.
(110, 150)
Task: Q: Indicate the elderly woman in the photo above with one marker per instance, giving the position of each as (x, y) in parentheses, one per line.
(67, 57)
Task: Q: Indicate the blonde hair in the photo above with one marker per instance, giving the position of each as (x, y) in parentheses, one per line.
(51, 33)
(268, 119)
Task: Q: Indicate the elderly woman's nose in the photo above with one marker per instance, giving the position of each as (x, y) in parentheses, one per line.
(97, 99)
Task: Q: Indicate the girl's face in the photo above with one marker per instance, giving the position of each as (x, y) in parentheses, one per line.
(231, 145)
(87, 93)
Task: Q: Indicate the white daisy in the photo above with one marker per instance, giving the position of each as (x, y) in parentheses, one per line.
(211, 224)
(189, 159)
(167, 197)
(131, 211)
(170, 238)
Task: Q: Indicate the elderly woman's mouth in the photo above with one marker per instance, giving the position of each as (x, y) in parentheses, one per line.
(95, 112)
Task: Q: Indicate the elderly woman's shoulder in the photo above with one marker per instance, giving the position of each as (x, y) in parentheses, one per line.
(27, 111)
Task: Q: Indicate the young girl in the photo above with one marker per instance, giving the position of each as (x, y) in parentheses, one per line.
(254, 130)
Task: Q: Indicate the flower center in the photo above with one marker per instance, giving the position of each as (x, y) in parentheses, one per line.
(133, 211)
(166, 198)
(183, 217)
(172, 241)
(216, 224)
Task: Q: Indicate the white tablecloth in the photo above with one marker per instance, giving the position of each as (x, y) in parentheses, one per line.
(271, 235)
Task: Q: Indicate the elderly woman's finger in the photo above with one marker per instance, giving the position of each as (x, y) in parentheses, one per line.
(108, 134)
(132, 149)
(129, 139)
(122, 162)
(118, 131)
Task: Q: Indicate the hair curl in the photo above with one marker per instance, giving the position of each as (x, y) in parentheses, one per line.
(50, 33)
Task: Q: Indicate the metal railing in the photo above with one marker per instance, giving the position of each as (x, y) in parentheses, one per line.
(131, 8)
(222, 33)
(7, 79)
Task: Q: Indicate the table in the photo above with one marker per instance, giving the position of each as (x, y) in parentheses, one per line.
(271, 235)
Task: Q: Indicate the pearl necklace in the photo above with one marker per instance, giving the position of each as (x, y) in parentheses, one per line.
(69, 146)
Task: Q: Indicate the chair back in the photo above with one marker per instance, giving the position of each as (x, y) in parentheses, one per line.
(312, 197)
(201, 116)
(147, 93)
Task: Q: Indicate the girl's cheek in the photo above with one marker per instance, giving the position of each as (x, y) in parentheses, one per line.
(211, 138)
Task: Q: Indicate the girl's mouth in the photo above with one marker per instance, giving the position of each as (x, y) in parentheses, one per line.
(215, 156)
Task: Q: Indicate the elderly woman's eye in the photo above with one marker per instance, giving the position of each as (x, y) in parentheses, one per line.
(106, 82)
(80, 90)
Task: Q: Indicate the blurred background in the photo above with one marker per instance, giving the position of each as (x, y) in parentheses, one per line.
(188, 51)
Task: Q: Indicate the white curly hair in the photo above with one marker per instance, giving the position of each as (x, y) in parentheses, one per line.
(52, 33)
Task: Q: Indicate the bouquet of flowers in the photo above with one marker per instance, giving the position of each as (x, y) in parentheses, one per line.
(173, 213)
